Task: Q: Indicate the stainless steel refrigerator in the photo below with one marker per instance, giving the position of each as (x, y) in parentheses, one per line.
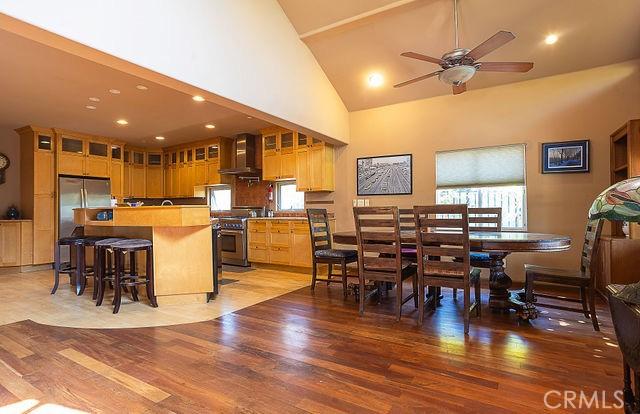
(78, 192)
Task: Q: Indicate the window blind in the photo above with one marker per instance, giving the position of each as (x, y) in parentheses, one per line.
(481, 167)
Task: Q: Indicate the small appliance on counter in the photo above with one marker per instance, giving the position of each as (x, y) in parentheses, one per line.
(13, 213)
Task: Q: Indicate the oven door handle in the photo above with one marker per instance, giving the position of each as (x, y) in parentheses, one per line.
(241, 232)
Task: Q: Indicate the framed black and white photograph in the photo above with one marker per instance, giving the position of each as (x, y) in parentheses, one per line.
(565, 157)
(385, 175)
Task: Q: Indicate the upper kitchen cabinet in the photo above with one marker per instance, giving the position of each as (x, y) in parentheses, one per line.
(154, 175)
(117, 170)
(37, 185)
(314, 165)
(278, 155)
(82, 155)
(294, 155)
(138, 173)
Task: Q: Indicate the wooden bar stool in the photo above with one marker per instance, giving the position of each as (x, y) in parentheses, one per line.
(77, 245)
(103, 270)
(64, 267)
(132, 279)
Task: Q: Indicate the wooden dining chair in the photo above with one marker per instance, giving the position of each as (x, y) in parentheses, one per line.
(380, 253)
(582, 278)
(483, 219)
(322, 251)
(442, 232)
(407, 224)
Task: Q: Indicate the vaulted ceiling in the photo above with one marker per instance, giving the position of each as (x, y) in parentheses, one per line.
(354, 38)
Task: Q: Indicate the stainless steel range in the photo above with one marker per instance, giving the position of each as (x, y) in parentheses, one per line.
(233, 234)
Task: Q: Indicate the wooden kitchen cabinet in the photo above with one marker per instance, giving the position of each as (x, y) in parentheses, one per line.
(97, 160)
(300, 244)
(82, 155)
(117, 171)
(294, 155)
(279, 241)
(154, 187)
(315, 167)
(16, 243)
(278, 155)
(37, 195)
(137, 174)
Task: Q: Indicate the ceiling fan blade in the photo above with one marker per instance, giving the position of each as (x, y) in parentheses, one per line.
(505, 66)
(418, 79)
(497, 40)
(459, 89)
(420, 56)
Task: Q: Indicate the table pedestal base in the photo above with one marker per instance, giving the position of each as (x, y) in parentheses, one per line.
(500, 298)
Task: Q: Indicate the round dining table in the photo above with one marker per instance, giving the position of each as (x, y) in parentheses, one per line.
(497, 245)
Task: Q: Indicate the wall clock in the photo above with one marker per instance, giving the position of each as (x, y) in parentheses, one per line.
(4, 164)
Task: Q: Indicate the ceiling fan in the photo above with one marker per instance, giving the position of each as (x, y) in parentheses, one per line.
(459, 65)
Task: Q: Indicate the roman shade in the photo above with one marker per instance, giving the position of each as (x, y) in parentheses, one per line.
(481, 167)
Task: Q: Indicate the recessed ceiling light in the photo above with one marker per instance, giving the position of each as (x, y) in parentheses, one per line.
(209, 126)
(115, 91)
(375, 80)
(141, 87)
(160, 138)
(90, 107)
(94, 99)
(551, 38)
(122, 122)
(249, 117)
(198, 98)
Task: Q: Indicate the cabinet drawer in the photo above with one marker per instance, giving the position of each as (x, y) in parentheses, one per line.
(279, 255)
(279, 238)
(257, 226)
(300, 225)
(258, 237)
(258, 253)
(279, 227)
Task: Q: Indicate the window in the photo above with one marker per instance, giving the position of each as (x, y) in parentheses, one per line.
(220, 198)
(485, 177)
(288, 197)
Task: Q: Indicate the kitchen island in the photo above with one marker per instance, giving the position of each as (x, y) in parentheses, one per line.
(181, 236)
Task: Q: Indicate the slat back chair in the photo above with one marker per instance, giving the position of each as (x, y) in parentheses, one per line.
(322, 251)
(484, 219)
(582, 279)
(380, 252)
(442, 240)
(407, 223)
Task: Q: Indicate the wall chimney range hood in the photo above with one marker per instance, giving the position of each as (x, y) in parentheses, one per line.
(244, 158)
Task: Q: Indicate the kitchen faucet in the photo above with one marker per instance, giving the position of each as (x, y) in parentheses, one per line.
(166, 201)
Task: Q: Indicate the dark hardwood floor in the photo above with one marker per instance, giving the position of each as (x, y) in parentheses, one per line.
(312, 353)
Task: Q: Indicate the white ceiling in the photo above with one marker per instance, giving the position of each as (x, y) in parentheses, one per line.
(46, 87)
(592, 33)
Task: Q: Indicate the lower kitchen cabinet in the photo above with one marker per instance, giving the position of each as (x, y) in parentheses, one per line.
(280, 241)
(16, 243)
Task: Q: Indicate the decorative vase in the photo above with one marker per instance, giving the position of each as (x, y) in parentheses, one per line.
(13, 213)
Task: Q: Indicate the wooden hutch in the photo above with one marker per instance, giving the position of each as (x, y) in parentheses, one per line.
(619, 254)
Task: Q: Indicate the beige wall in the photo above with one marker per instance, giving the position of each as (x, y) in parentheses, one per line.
(10, 190)
(245, 53)
(588, 104)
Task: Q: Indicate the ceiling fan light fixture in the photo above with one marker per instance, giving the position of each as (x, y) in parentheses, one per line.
(457, 75)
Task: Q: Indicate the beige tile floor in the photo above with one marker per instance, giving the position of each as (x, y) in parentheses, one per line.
(27, 296)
